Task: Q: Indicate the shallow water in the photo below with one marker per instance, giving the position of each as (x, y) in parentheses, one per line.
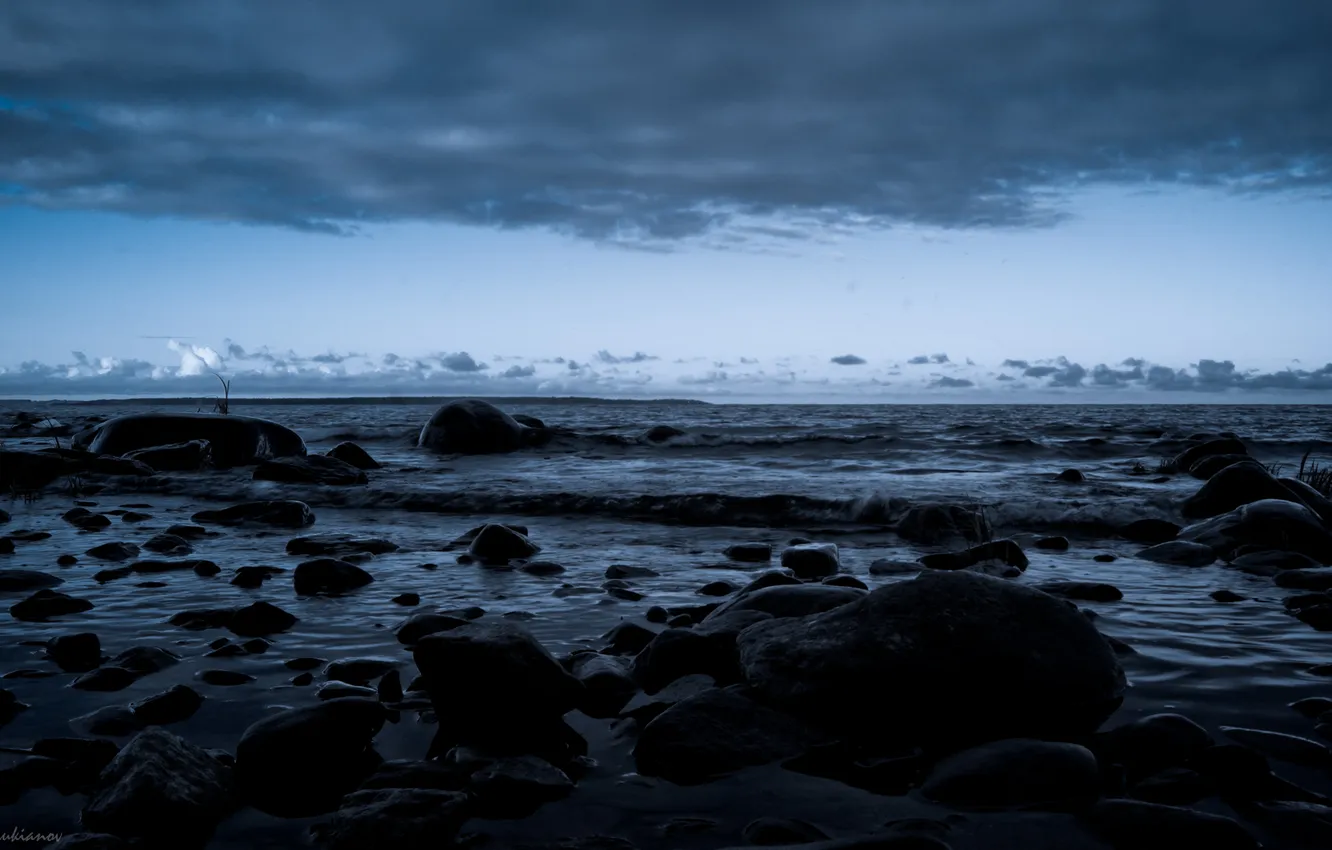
(1237, 664)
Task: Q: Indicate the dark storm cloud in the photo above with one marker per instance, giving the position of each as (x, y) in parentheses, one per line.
(1104, 376)
(650, 122)
(1039, 371)
(938, 358)
(919, 360)
(518, 372)
(849, 360)
(948, 382)
(605, 356)
(1016, 364)
(460, 362)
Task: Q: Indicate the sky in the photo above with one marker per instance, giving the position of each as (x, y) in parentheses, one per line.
(855, 200)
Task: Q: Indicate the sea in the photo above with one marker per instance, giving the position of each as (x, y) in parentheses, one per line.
(603, 493)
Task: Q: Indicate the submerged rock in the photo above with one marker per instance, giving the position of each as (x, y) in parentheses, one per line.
(339, 545)
(947, 642)
(472, 426)
(749, 553)
(399, 818)
(1236, 485)
(1269, 523)
(938, 523)
(328, 576)
(310, 469)
(1181, 553)
(1149, 531)
(1082, 591)
(286, 513)
(789, 600)
(233, 440)
(25, 581)
(76, 653)
(355, 455)
(812, 560)
(1185, 460)
(499, 544)
(45, 604)
(1005, 552)
(160, 787)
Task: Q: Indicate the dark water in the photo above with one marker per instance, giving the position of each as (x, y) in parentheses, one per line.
(606, 496)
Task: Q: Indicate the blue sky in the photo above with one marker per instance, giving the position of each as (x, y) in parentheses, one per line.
(550, 212)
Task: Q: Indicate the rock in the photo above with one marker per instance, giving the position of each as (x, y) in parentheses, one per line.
(259, 619)
(189, 532)
(1277, 745)
(1177, 786)
(111, 721)
(354, 455)
(400, 818)
(1015, 773)
(233, 440)
(886, 567)
(1265, 562)
(1004, 551)
(303, 663)
(160, 787)
(1270, 523)
(1312, 499)
(796, 600)
(224, 678)
(32, 471)
(310, 469)
(76, 653)
(1133, 825)
(341, 690)
(177, 703)
(389, 689)
(1104, 559)
(1211, 465)
(812, 560)
(45, 604)
(328, 576)
(189, 456)
(360, 671)
(1312, 706)
(339, 545)
(622, 571)
(1185, 460)
(66, 561)
(6, 546)
(716, 588)
(403, 773)
(946, 641)
(168, 544)
(933, 524)
(418, 626)
(1179, 553)
(253, 577)
(499, 544)
(771, 578)
(89, 841)
(542, 568)
(629, 638)
(1232, 487)
(515, 787)
(845, 580)
(407, 599)
(1304, 824)
(472, 426)
(1152, 744)
(771, 832)
(144, 660)
(607, 683)
(1071, 476)
(1149, 531)
(1315, 580)
(1083, 591)
(114, 551)
(301, 761)
(749, 553)
(1226, 596)
(285, 513)
(495, 681)
(714, 733)
(26, 581)
(682, 652)
(1052, 544)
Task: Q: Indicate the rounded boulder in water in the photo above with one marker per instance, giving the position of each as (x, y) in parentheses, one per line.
(233, 440)
(948, 642)
(812, 560)
(472, 426)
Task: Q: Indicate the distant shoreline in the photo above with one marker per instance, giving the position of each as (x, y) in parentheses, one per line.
(367, 400)
(206, 402)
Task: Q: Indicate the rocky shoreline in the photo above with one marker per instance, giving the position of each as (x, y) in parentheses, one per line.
(946, 700)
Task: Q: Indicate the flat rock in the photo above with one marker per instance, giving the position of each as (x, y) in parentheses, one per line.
(1149, 531)
(189, 456)
(1016, 774)
(1082, 591)
(117, 551)
(405, 818)
(794, 600)
(26, 581)
(284, 513)
(328, 576)
(175, 704)
(1179, 553)
(311, 469)
(233, 440)
(1269, 523)
(46, 603)
(714, 733)
(812, 560)
(749, 553)
(339, 545)
(1280, 746)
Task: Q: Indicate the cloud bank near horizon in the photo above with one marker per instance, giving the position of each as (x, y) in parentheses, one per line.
(266, 372)
(651, 123)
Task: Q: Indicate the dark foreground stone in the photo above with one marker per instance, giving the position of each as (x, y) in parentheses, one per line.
(233, 440)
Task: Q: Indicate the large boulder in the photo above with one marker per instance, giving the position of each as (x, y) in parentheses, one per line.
(473, 427)
(234, 440)
(26, 471)
(947, 658)
(1313, 500)
(355, 455)
(160, 787)
(1185, 460)
(189, 456)
(301, 761)
(400, 818)
(310, 469)
(1270, 523)
(1236, 485)
(788, 600)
